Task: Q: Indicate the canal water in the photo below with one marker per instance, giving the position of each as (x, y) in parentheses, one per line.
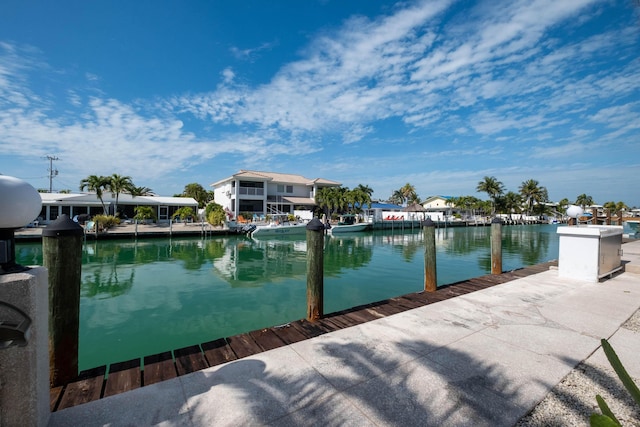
(146, 296)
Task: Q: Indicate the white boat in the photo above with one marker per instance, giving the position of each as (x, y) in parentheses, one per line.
(279, 226)
(634, 226)
(348, 224)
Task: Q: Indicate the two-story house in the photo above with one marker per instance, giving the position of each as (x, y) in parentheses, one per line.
(264, 193)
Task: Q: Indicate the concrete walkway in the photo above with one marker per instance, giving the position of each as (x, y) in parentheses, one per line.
(483, 359)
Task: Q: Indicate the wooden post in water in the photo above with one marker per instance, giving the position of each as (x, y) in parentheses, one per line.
(594, 216)
(608, 221)
(496, 246)
(315, 270)
(430, 275)
(619, 214)
(62, 256)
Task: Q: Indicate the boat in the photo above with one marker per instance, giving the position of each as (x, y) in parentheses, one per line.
(349, 224)
(279, 226)
(634, 226)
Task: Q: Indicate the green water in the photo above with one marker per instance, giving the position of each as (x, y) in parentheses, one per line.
(151, 295)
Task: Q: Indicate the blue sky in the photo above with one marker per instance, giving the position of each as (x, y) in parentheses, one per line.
(437, 93)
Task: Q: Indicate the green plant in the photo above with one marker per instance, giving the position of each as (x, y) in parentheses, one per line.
(106, 221)
(215, 214)
(183, 213)
(607, 418)
(143, 213)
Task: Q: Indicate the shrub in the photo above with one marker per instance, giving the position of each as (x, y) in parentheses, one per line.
(106, 221)
(184, 213)
(144, 213)
(214, 213)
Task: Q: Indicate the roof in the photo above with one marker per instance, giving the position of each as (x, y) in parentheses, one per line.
(107, 197)
(285, 178)
(430, 198)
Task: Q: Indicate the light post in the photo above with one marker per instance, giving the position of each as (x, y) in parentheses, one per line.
(20, 204)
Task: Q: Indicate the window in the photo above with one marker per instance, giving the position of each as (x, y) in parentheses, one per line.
(252, 188)
(285, 189)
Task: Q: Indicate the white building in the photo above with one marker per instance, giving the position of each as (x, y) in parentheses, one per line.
(72, 204)
(262, 193)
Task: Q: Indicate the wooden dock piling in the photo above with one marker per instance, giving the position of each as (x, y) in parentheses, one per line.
(496, 246)
(62, 256)
(315, 270)
(430, 273)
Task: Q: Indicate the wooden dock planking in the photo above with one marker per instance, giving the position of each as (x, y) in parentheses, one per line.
(189, 359)
(87, 389)
(266, 339)
(218, 352)
(158, 367)
(289, 334)
(123, 376)
(55, 393)
(91, 385)
(243, 345)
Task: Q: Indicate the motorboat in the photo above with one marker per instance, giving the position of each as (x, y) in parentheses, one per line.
(634, 226)
(349, 224)
(278, 226)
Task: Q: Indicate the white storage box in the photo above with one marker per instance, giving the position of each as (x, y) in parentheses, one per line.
(589, 252)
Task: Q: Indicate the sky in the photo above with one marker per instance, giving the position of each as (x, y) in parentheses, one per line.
(436, 93)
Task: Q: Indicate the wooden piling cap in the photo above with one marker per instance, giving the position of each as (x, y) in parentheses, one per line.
(428, 223)
(63, 226)
(315, 225)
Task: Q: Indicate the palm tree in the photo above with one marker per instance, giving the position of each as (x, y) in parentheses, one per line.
(96, 184)
(358, 198)
(331, 199)
(532, 193)
(563, 205)
(118, 184)
(365, 189)
(409, 194)
(512, 203)
(397, 197)
(493, 188)
(140, 191)
(583, 201)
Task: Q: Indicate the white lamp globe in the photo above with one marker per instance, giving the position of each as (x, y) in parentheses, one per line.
(574, 211)
(20, 203)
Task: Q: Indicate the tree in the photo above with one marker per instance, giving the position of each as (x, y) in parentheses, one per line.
(358, 197)
(409, 194)
(197, 192)
(118, 184)
(140, 191)
(97, 184)
(332, 199)
(563, 205)
(493, 188)
(512, 203)
(397, 197)
(405, 195)
(583, 201)
(365, 189)
(532, 193)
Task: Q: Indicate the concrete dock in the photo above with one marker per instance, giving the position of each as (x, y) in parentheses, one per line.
(482, 359)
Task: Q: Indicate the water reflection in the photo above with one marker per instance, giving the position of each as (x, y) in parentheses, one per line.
(147, 296)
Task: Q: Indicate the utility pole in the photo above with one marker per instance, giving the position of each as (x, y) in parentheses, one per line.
(52, 172)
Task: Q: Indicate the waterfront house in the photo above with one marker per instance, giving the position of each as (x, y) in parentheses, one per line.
(72, 204)
(257, 194)
(439, 208)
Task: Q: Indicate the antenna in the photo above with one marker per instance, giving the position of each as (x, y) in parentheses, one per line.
(52, 172)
